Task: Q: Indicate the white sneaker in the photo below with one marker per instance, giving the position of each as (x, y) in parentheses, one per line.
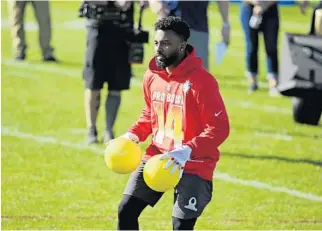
(108, 135)
(273, 92)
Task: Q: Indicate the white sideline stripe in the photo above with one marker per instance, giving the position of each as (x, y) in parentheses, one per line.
(60, 71)
(248, 105)
(260, 185)
(275, 136)
(78, 130)
(20, 74)
(49, 140)
(221, 176)
(63, 72)
(69, 71)
(28, 25)
(221, 81)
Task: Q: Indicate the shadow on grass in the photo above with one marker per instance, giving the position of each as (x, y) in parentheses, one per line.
(285, 159)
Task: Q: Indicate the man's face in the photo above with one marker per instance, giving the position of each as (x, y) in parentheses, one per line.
(167, 45)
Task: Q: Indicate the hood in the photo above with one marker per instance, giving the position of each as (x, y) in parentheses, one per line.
(187, 65)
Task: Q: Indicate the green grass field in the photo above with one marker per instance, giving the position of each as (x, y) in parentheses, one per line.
(269, 175)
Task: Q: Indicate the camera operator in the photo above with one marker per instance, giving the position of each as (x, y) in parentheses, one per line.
(109, 25)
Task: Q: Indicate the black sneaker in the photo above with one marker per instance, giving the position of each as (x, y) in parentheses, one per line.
(50, 59)
(92, 136)
(253, 87)
(20, 57)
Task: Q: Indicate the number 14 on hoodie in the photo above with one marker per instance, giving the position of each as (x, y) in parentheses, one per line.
(171, 126)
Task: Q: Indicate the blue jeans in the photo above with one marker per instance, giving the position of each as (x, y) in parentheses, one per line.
(269, 27)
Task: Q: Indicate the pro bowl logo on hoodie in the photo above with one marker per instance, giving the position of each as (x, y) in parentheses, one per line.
(186, 86)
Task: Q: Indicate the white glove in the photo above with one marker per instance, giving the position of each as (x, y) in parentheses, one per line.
(131, 136)
(255, 21)
(178, 157)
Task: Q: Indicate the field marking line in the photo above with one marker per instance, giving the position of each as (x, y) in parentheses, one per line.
(49, 140)
(21, 74)
(274, 135)
(261, 185)
(59, 70)
(74, 73)
(164, 219)
(221, 176)
(63, 72)
(266, 108)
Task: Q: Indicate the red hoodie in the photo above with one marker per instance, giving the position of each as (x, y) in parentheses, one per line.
(184, 107)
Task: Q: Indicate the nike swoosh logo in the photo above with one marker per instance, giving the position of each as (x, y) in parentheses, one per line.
(218, 113)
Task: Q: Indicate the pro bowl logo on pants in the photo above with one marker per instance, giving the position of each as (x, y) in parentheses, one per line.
(192, 204)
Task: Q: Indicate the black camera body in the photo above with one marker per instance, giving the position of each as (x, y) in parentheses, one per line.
(103, 12)
(140, 36)
(136, 53)
(100, 12)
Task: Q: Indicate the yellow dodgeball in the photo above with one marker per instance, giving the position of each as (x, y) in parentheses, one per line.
(122, 155)
(158, 178)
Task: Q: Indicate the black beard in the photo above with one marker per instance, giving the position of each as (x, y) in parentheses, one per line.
(163, 62)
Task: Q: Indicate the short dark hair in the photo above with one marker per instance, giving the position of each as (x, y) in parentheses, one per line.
(175, 24)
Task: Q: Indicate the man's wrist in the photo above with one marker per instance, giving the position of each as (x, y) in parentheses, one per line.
(132, 136)
(261, 8)
(187, 147)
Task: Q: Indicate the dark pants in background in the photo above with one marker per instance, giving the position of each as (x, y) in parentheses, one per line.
(106, 60)
(16, 10)
(269, 27)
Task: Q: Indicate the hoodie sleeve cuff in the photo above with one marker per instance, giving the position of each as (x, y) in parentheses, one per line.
(132, 136)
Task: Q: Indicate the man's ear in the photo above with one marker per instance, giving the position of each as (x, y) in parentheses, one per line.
(183, 45)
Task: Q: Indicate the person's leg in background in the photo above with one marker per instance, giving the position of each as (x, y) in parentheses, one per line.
(93, 82)
(318, 22)
(42, 13)
(112, 105)
(16, 11)
(92, 100)
(270, 27)
(312, 28)
(200, 41)
(251, 42)
(312, 23)
(118, 80)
